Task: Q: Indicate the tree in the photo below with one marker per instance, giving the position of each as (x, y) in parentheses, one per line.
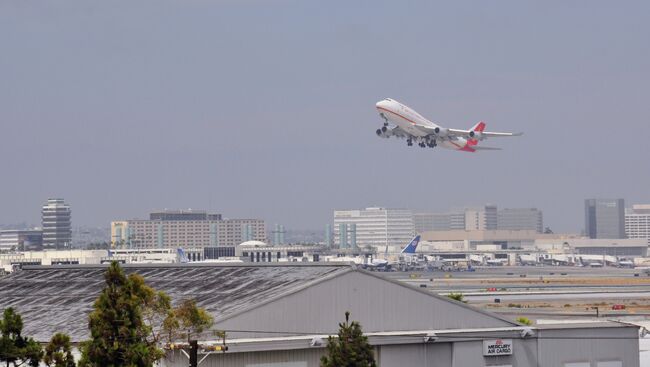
(157, 308)
(119, 334)
(16, 349)
(58, 352)
(524, 321)
(457, 297)
(350, 349)
(186, 320)
(99, 246)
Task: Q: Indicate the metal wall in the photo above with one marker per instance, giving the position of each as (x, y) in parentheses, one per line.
(557, 347)
(553, 349)
(379, 305)
(287, 358)
(425, 355)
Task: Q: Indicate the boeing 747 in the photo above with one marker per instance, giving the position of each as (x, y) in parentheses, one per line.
(415, 128)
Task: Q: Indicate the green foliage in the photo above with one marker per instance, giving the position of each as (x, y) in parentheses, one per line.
(16, 349)
(350, 349)
(58, 352)
(524, 320)
(186, 320)
(457, 297)
(119, 334)
(99, 246)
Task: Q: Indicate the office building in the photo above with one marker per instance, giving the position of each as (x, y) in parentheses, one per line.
(352, 235)
(637, 221)
(481, 218)
(375, 227)
(520, 219)
(605, 218)
(343, 235)
(468, 219)
(328, 236)
(188, 214)
(278, 235)
(188, 229)
(21, 240)
(56, 223)
(457, 220)
(426, 222)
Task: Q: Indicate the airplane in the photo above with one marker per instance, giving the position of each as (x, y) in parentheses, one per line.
(626, 264)
(415, 128)
(496, 262)
(408, 250)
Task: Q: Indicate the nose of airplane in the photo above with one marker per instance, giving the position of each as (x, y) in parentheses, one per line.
(381, 104)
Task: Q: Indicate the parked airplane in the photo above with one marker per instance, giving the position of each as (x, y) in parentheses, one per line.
(408, 250)
(626, 264)
(412, 126)
(496, 262)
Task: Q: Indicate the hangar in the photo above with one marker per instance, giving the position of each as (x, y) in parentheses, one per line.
(281, 315)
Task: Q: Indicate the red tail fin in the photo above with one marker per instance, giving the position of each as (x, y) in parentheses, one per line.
(478, 127)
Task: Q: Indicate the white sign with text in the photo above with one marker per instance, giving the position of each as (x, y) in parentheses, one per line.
(497, 347)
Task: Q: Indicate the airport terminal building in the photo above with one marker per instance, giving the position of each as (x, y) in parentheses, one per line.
(281, 315)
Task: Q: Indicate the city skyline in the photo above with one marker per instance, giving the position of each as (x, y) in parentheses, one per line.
(279, 121)
(27, 224)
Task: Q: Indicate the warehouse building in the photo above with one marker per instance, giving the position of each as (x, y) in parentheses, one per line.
(281, 315)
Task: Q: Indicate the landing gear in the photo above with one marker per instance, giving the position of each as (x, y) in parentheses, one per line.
(431, 143)
(409, 142)
(384, 128)
(385, 119)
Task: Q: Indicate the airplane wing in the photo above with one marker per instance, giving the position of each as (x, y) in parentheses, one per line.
(479, 147)
(397, 132)
(471, 134)
(484, 134)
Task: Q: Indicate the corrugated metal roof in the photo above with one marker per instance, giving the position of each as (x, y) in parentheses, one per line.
(58, 298)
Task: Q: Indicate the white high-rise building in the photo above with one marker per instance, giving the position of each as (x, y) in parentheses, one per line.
(637, 221)
(376, 227)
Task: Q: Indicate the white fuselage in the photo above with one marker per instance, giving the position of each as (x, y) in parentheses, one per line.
(408, 119)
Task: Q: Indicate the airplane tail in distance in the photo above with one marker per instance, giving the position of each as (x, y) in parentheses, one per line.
(478, 127)
(182, 257)
(410, 248)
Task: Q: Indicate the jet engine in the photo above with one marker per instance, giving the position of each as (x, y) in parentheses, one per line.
(476, 135)
(441, 131)
(383, 132)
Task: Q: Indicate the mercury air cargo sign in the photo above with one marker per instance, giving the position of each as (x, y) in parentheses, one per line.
(497, 347)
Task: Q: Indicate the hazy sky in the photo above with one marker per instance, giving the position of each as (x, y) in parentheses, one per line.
(266, 108)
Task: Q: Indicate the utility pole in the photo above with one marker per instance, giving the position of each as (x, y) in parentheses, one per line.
(597, 311)
(194, 352)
